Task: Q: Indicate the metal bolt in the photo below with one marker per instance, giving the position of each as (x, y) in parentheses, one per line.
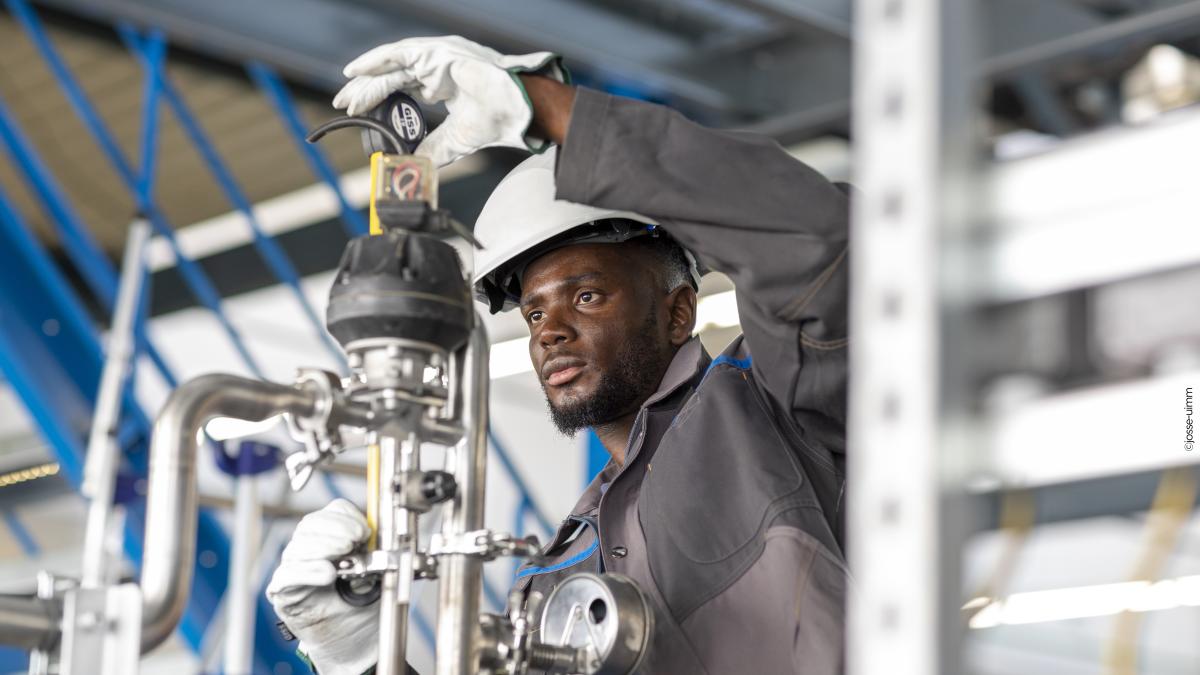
(891, 304)
(619, 552)
(892, 9)
(893, 204)
(890, 617)
(893, 104)
(890, 511)
(891, 406)
(88, 620)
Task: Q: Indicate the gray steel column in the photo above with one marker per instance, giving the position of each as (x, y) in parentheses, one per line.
(911, 137)
(393, 605)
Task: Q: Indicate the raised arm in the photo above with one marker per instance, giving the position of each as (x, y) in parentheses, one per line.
(745, 207)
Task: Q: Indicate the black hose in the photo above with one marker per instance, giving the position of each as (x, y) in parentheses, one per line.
(345, 122)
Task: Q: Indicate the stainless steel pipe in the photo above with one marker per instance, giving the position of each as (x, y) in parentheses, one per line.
(29, 622)
(461, 575)
(171, 508)
(393, 609)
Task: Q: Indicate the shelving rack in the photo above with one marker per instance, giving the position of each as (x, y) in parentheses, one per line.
(955, 258)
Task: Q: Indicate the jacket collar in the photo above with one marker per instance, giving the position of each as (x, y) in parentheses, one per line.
(688, 364)
(689, 361)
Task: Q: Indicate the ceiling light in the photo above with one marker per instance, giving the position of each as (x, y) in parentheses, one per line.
(1080, 602)
(31, 473)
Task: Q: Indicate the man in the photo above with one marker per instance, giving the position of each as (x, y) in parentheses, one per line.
(724, 494)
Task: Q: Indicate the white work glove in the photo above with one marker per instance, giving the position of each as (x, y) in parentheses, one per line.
(486, 100)
(338, 638)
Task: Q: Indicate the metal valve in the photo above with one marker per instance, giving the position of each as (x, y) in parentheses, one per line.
(319, 430)
(420, 491)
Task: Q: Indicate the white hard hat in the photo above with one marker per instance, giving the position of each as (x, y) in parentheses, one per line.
(522, 219)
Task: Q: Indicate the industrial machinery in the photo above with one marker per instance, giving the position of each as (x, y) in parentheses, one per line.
(401, 310)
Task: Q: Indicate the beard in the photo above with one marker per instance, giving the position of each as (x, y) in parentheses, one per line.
(640, 363)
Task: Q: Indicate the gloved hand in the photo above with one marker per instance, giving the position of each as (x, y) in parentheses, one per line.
(486, 100)
(338, 638)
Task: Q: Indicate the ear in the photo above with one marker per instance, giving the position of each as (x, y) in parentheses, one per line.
(681, 314)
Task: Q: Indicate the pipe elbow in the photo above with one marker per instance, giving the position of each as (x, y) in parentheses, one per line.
(172, 502)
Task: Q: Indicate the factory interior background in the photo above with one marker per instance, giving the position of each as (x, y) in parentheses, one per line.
(197, 111)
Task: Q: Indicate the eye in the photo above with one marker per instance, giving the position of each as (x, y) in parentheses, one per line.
(534, 316)
(586, 297)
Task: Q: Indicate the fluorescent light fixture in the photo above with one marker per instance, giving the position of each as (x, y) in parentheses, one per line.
(228, 428)
(1061, 219)
(511, 357)
(33, 472)
(1081, 602)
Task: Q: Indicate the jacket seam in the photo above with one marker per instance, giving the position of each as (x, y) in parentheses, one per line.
(824, 345)
(784, 437)
(791, 312)
(805, 537)
(761, 546)
(766, 410)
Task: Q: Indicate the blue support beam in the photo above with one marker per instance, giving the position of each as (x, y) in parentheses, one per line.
(81, 248)
(277, 93)
(272, 254)
(21, 533)
(49, 372)
(154, 51)
(195, 278)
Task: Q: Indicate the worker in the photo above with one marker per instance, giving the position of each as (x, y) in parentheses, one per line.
(723, 497)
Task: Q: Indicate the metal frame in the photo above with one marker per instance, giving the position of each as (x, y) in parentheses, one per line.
(937, 234)
(276, 92)
(148, 49)
(138, 184)
(911, 118)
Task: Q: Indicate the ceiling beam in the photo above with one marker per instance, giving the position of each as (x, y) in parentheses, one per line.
(831, 16)
(1014, 54)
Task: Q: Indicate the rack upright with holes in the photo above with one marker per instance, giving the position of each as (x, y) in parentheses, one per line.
(950, 251)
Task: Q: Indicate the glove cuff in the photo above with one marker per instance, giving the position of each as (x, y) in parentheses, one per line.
(543, 64)
(334, 662)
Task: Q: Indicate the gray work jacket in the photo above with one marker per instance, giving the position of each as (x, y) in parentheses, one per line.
(728, 510)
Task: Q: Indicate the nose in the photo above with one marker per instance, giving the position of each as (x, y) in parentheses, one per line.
(553, 330)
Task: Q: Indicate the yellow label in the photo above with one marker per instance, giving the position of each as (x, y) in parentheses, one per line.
(373, 493)
(376, 160)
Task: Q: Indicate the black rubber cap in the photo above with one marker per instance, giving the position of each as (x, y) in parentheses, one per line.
(400, 284)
